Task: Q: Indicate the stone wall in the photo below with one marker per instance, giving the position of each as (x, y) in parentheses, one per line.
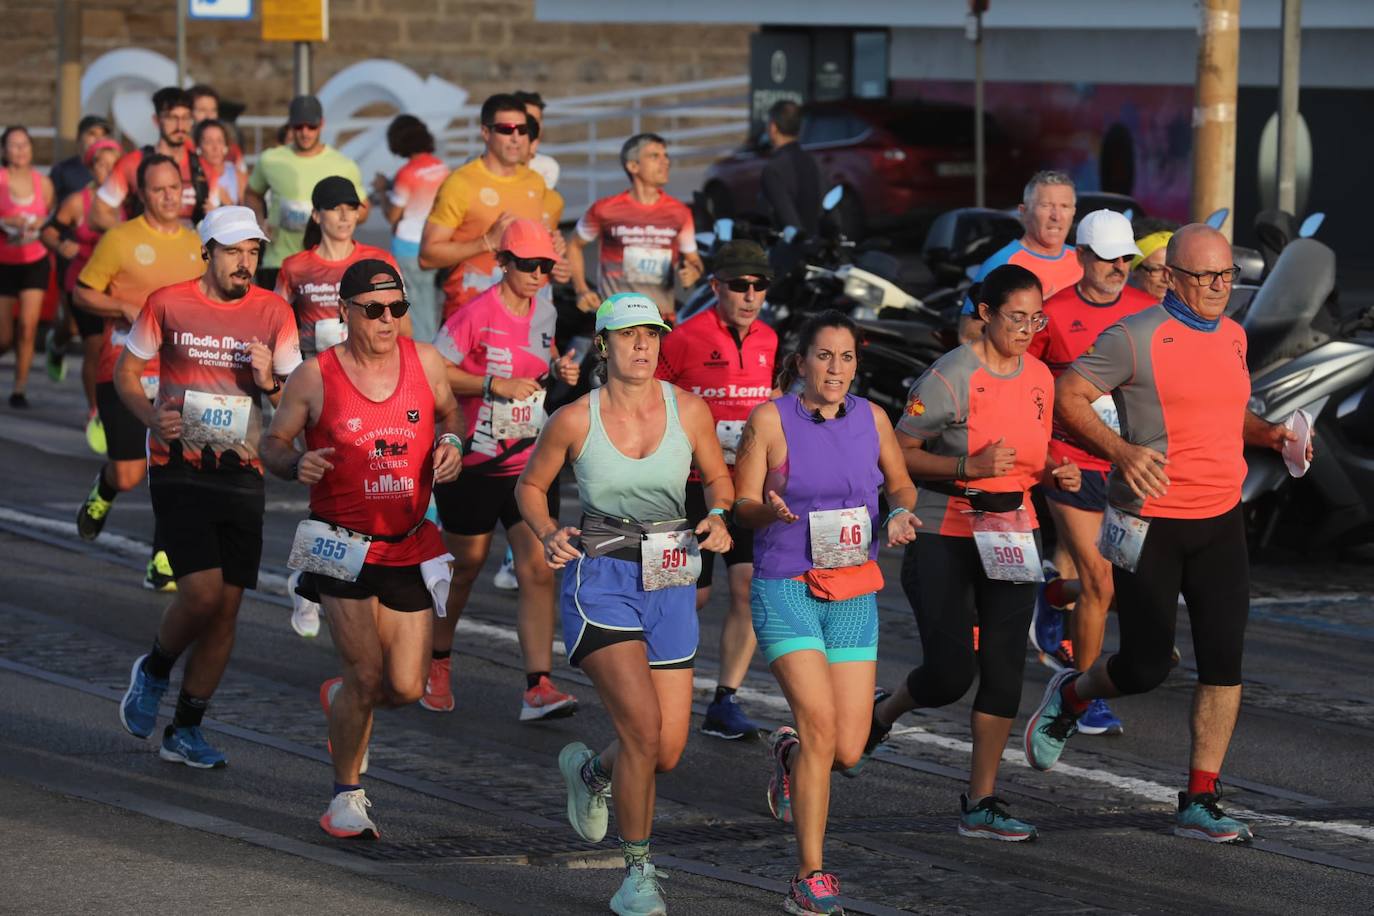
(481, 45)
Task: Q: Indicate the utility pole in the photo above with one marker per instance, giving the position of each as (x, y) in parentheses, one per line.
(304, 82)
(68, 114)
(181, 43)
(1214, 112)
(974, 31)
(1288, 106)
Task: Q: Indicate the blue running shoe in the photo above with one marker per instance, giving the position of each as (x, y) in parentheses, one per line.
(877, 734)
(187, 745)
(1200, 818)
(780, 784)
(724, 719)
(988, 820)
(816, 893)
(1047, 623)
(1100, 720)
(640, 893)
(1051, 725)
(138, 709)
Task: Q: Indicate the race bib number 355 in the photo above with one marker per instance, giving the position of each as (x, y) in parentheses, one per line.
(669, 559)
(322, 549)
(840, 537)
(215, 419)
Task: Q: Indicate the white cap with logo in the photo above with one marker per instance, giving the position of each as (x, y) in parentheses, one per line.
(1108, 234)
(230, 225)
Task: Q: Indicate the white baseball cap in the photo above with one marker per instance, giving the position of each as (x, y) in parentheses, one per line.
(1108, 234)
(230, 225)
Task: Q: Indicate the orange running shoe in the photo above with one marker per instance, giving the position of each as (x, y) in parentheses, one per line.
(544, 701)
(438, 689)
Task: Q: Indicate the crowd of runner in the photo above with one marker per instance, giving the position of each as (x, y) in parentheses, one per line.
(232, 325)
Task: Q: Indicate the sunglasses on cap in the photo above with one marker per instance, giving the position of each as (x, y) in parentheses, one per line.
(742, 285)
(373, 310)
(508, 129)
(530, 265)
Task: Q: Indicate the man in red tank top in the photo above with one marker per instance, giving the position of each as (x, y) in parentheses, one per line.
(370, 410)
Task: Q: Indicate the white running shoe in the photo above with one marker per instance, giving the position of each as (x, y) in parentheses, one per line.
(347, 817)
(505, 576)
(305, 616)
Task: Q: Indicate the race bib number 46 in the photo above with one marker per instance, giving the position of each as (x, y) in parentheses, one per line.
(669, 559)
(840, 537)
(322, 549)
(521, 419)
(215, 419)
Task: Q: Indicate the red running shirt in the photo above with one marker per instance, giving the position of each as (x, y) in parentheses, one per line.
(310, 285)
(638, 245)
(383, 459)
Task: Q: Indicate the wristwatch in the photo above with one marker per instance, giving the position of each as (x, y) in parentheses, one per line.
(275, 388)
(295, 473)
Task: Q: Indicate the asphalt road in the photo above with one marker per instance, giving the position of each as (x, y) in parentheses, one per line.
(471, 805)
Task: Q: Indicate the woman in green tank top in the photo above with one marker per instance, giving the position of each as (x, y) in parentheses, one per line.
(629, 585)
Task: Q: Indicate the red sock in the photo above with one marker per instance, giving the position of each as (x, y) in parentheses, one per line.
(1056, 592)
(1069, 694)
(1200, 781)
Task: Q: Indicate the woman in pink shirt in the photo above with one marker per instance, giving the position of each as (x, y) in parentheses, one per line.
(26, 199)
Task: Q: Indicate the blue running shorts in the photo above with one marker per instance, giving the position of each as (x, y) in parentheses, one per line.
(1091, 497)
(788, 618)
(603, 596)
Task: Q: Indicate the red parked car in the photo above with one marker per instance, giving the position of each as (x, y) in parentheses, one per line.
(900, 163)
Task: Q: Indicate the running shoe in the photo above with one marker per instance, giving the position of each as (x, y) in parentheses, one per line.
(1100, 720)
(505, 576)
(158, 576)
(95, 433)
(187, 745)
(816, 893)
(586, 803)
(780, 784)
(1200, 818)
(56, 358)
(328, 691)
(988, 820)
(1051, 725)
(1047, 620)
(877, 734)
(1062, 658)
(347, 817)
(90, 518)
(542, 701)
(19, 401)
(438, 695)
(138, 709)
(305, 614)
(640, 893)
(725, 719)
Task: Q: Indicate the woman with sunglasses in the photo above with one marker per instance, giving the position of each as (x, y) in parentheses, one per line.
(975, 434)
(26, 199)
(1147, 270)
(629, 590)
(501, 357)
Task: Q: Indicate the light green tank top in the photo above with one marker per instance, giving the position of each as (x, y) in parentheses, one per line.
(648, 489)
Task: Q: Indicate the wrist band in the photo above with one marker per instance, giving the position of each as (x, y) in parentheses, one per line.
(716, 511)
(959, 468)
(894, 513)
(452, 439)
(486, 386)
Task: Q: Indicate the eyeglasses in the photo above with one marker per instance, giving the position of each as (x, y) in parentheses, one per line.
(1150, 269)
(530, 265)
(742, 285)
(1208, 277)
(508, 129)
(1020, 321)
(373, 310)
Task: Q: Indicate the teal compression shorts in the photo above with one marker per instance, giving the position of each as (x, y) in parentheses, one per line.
(788, 618)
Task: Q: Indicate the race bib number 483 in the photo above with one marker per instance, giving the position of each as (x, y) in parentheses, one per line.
(215, 419)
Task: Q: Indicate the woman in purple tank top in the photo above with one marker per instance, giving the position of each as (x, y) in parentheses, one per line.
(807, 477)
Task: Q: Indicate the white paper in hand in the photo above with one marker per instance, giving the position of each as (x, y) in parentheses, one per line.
(1295, 451)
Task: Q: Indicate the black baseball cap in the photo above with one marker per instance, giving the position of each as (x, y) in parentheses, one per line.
(92, 120)
(332, 191)
(305, 109)
(366, 276)
(741, 258)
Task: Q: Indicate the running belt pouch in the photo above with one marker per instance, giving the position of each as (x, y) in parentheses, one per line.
(602, 535)
(979, 500)
(845, 582)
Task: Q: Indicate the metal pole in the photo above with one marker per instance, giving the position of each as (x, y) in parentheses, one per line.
(1288, 106)
(303, 80)
(1214, 114)
(68, 114)
(979, 153)
(181, 42)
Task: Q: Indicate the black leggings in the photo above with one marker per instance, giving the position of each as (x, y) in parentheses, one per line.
(949, 593)
(1205, 560)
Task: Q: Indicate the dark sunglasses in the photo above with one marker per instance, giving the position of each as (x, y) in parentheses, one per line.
(743, 286)
(373, 310)
(508, 129)
(305, 127)
(530, 265)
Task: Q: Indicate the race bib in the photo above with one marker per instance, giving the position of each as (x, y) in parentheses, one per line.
(150, 385)
(521, 419)
(840, 537)
(328, 332)
(669, 559)
(118, 337)
(1121, 538)
(215, 419)
(325, 550)
(728, 432)
(648, 265)
(1006, 546)
(1105, 408)
(188, 196)
(294, 215)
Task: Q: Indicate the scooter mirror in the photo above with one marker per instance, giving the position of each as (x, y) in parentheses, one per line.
(1310, 225)
(1217, 219)
(832, 198)
(725, 229)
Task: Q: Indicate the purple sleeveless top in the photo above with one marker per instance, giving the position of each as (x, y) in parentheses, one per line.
(830, 465)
